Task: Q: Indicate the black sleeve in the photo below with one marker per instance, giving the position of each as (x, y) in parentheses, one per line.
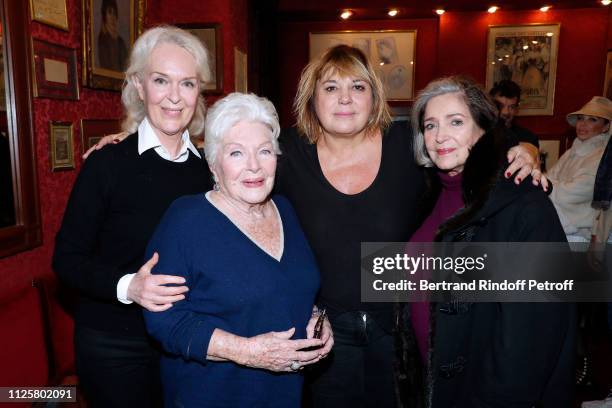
(74, 259)
(530, 338)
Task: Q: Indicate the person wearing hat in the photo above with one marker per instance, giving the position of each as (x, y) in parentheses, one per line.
(574, 174)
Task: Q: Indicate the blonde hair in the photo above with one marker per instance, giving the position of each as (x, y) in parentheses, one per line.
(345, 60)
(139, 60)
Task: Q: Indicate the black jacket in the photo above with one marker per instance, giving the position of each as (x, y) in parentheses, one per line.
(500, 354)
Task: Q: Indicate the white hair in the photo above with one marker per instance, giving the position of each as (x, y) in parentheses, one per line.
(139, 60)
(229, 111)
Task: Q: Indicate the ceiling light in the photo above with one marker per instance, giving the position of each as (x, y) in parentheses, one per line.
(346, 14)
(544, 9)
(525, 47)
(493, 9)
(551, 34)
(442, 11)
(392, 12)
(606, 2)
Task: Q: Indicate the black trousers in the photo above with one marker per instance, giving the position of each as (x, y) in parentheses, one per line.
(117, 371)
(359, 370)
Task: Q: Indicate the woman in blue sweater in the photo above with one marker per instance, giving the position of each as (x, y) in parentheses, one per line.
(247, 323)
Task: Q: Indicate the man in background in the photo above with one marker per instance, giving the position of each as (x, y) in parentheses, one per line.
(507, 96)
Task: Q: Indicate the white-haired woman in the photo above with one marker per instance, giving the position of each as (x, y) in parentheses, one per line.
(240, 335)
(116, 202)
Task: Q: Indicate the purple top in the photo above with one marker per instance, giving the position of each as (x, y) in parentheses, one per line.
(449, 202)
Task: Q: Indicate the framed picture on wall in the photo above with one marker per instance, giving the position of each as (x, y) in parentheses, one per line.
(607, 92)
(109, 30)
(54, 71)
(50, 12)
(391, 52)
(210, 35)
(527, 55)
(92, 130)
(61, 145)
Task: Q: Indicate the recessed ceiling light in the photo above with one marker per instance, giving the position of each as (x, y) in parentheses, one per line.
(346, 14)
(606, 2)
(393, 12)
(493, 9)
(551, 34)
(442, 11)
(544, 9)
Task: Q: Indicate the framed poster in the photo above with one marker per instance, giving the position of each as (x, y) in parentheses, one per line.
(210, 35)
(527, 55)
(110, 28)
(92, 130)
(50, 12)
(391, 53)
(607, 92)
(54, 71)
(61, 145)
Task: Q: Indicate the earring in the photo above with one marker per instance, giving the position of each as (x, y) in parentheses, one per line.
(216, 186)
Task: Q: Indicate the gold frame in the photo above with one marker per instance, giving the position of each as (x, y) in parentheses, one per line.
(241, 71)
(35, 6)
(102, 78)
(607, 88)
(55, 131)
(396, 69)
(542, 72)
(214, 46)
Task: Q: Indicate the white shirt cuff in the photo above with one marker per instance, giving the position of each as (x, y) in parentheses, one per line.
(122, 288)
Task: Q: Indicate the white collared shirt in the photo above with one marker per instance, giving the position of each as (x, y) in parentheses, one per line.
(147, 139)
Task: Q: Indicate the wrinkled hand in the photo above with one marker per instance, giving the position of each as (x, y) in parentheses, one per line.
(149, 291)
(327, 335)
(524, 160)
(108, 139)
(275, 351)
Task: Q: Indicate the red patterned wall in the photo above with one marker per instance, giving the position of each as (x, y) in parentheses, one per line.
(54, 187)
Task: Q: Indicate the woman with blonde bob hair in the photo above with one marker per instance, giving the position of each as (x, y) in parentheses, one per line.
(118, 198)
(350, 173)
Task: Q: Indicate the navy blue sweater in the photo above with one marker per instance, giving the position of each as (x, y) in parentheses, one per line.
(237, 287)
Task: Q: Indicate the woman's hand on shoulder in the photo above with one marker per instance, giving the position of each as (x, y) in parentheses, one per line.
(524, 161)
(275, 351)
(108, 139)
(150, 291)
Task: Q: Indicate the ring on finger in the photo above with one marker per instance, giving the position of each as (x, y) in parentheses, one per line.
(294, 366)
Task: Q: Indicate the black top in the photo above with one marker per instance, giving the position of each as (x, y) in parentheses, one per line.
(524, 135)
(510, 354)
(115, 205)
(336, 223)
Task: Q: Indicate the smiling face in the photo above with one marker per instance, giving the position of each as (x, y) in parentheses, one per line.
(589, 126)
(169, 89)
(245, 164)
(343, 104)
(450, 131)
